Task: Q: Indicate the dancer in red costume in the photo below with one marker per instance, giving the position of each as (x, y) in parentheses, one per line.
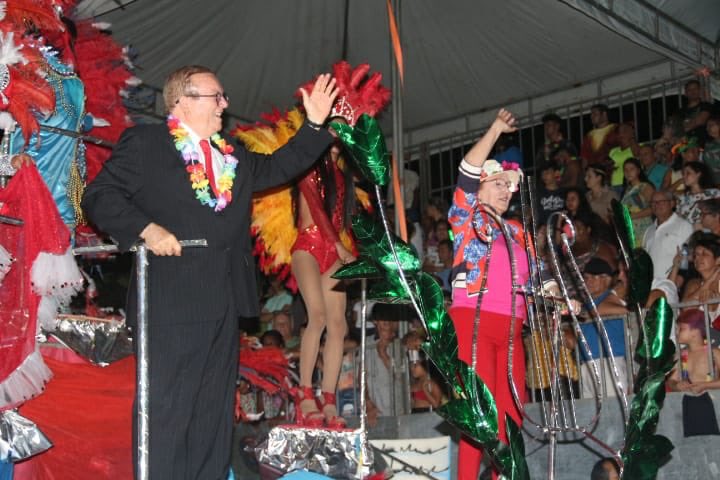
(484, 185)
(323, 205)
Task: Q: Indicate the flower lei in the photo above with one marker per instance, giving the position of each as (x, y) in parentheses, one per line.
(196, 169)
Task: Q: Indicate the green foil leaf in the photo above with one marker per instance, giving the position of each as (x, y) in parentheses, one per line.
(366, 144)
(362, 268)
(644, 451)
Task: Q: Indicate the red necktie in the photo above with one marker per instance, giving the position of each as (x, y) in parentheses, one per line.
(209, 172)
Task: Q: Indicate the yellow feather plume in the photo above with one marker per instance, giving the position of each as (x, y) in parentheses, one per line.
(272, 218)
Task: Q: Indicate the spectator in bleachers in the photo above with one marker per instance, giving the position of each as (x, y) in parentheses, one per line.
(550, 197)
(380, 365)
(277, 299)
(673, 181)
(572, 172)
(347, 388)
(654, 170)
(435, 211)
(698, 186)
(272, 338)
(627, 148)
(282, 323)
(587, 245)
(664, 237)
(605, 469)
(711, 153)
(692, 371)
(696, 112)
(576, 202)
(601, 139)
(710, 215)
(554, 138)
(506, 149)
(706, 259)
(537, 361)
(425, 393)
(599, 195)
(669, 137)
(443, 269)
(637, 192)
(599, 277)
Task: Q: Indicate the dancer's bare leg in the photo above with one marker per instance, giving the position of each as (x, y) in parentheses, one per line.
(335, 301)
(309, 279)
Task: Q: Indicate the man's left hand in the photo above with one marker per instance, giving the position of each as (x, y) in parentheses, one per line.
(319, 102)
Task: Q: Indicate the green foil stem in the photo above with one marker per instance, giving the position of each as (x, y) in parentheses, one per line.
(623, 225)
(366, 144)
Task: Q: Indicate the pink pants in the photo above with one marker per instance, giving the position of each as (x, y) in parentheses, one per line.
(492, 367)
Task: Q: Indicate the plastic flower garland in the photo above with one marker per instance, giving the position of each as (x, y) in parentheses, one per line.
(196, 169)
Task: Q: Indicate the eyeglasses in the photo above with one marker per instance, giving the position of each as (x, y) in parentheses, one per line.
(504, 185)
(219, 97)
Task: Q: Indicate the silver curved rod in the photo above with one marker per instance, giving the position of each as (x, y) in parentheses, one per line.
(598, 323)
(594, 369)
(541, 304)
(401, 272)
(595, 373)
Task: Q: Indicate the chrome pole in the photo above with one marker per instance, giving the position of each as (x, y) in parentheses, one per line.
(143, 365)
(142, 342)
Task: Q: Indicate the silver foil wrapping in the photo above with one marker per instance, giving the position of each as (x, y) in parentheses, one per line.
(335, 453)
(100, 341)
(20, 438)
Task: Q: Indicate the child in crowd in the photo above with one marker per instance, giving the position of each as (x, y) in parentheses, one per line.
(692, 372)
(424, 391)
(550, 197)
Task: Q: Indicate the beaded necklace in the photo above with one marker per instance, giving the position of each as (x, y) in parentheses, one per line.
(196, 169)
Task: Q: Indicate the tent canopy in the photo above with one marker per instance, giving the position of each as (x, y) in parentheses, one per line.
(461, 58)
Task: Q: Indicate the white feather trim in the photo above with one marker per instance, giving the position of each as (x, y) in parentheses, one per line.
(47, 314)
(7, 122)
(9, 52)
(103, 26)
(25, 382)
(57, 276)
(133, 81)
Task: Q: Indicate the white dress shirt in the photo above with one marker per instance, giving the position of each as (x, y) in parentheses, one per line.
(662, 241)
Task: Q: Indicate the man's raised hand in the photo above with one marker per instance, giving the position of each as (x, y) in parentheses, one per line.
(320, 100)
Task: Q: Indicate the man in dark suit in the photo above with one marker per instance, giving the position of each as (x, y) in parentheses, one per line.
(195, 296)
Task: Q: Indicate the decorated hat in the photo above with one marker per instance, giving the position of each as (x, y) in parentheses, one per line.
(685, 144)
(598, 266)
(357, 93)
(492, 169)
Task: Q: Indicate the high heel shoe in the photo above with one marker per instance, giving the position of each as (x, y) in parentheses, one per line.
(313, 418)
(328, 399)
